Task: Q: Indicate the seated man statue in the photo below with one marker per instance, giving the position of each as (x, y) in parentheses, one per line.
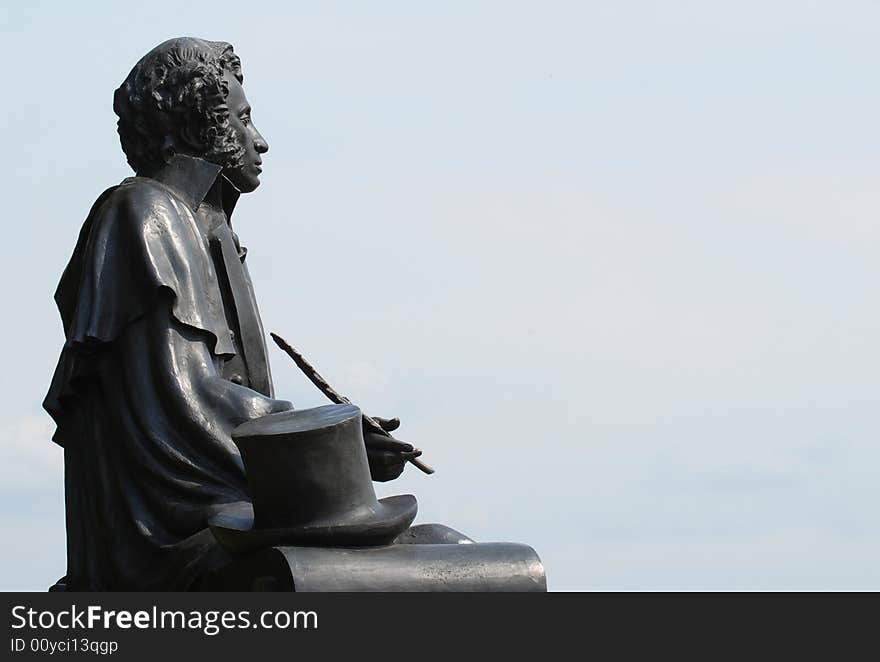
(165, 353)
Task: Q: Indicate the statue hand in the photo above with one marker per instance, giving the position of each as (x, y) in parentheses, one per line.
(387, 456)
(387, 424)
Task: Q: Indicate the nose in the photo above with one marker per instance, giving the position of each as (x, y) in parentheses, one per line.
(260, 143)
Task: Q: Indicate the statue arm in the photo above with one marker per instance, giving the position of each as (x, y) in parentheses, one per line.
(170, 368)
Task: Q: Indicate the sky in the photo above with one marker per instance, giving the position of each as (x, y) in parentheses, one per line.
(614, 265)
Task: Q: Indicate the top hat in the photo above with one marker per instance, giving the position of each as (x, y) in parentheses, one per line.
(310, 483)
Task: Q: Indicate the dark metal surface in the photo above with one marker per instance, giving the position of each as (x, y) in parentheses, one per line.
(334, 396)
(426, 534)
(310, 484)
(164, 356)
(402, 568)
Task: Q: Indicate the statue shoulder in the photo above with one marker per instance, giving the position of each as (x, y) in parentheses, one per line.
(142, 197)
(141, 210)
(139, 239)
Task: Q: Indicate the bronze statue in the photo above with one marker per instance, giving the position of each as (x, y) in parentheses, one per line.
(165, 354)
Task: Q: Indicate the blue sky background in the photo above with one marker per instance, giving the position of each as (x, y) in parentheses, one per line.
(613, 264)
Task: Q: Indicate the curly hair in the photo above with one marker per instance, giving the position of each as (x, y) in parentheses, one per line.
(175, 98)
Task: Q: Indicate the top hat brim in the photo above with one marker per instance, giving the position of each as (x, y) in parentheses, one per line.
(378, 525)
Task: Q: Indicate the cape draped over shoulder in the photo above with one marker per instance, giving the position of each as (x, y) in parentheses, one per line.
(135, 242)
(141, 405)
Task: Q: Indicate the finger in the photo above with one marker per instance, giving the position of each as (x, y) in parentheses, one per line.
(387, 443)
(384, 458)
(389, 458)
(387, 424)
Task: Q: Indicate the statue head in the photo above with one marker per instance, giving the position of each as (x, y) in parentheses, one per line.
(185, 97)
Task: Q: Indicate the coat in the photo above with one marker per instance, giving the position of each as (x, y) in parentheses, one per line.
(164, 355)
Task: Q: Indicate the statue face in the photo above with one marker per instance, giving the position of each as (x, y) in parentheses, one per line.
(245, 174)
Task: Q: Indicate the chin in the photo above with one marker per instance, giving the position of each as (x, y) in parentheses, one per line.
(248, 186)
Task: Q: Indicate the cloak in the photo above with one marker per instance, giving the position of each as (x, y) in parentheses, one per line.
(164, 356)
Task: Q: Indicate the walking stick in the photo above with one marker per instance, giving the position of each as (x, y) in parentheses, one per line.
(325, 388)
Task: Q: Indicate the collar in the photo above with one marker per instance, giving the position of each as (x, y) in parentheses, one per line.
(191, 178)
